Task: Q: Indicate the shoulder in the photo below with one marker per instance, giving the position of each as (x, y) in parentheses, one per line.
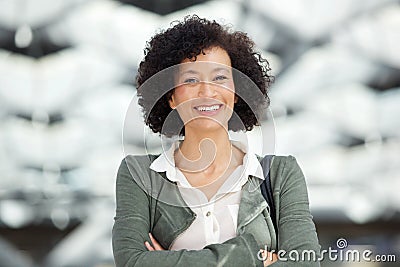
(136, 165)
(140, 158)
(279, 163)
(284, 169)
(139, 161)
(282, 162)
(134, 173)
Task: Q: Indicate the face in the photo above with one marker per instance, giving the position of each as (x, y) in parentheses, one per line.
(205, 95)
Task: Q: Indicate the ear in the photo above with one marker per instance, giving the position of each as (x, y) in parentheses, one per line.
(236, 98)
(171, 102)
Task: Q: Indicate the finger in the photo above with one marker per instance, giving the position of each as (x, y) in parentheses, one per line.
(269, 257)
(156, 245)
(274, 257)
(148, 246)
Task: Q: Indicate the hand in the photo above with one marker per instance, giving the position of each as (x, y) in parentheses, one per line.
(269, 257)
(156, 246)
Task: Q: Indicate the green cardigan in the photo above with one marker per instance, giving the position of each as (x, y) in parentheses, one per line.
(152, 203)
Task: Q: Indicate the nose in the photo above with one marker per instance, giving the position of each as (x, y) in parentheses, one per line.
(206, 90)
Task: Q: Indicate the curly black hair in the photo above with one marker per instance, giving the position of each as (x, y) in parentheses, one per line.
(186, 40)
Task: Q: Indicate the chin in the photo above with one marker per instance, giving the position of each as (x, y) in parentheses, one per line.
(204, 124)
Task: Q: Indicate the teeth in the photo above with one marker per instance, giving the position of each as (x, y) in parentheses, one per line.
(212, 108)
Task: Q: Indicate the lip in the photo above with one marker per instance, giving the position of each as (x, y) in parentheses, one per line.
(208, 112)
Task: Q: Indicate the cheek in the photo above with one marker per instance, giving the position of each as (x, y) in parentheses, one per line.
(226, 89)
(229, 94)
(230, 88)
(181, 94)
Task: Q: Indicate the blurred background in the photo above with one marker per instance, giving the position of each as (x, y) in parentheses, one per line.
(67, 70)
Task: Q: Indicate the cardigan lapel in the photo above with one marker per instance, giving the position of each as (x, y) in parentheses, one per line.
(180, 216)
(176, 216)
(252, 203)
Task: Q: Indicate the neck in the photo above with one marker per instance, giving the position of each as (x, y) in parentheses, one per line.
(207, 151)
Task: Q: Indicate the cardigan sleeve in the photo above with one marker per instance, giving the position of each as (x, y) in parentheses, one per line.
(132, 224)
(297, 237)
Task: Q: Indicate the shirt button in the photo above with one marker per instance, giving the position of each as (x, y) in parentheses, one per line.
(241, 230)
(208, 213)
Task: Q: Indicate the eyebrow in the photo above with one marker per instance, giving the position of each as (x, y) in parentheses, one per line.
(196, 72)
(221, 68)
(189, 71)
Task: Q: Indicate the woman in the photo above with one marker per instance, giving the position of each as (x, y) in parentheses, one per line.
(192, 205)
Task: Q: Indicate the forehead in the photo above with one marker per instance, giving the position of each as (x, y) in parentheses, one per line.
(213, 58)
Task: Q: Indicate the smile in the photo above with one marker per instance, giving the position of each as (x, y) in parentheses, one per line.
(208, 108)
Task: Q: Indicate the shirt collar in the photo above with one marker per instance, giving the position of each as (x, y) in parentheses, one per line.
(166, 162)
(251, 166)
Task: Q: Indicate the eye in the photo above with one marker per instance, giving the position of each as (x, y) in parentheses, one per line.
(191, 80)
(220, 78)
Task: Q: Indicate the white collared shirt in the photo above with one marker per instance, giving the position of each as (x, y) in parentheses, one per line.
(216, 219)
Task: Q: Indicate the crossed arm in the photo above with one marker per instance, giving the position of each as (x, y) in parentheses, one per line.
(132, 225)
(268, 256)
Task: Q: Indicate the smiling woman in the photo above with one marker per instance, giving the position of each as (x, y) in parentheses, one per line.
(184, 43)
(205, 91)
(212, 217)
